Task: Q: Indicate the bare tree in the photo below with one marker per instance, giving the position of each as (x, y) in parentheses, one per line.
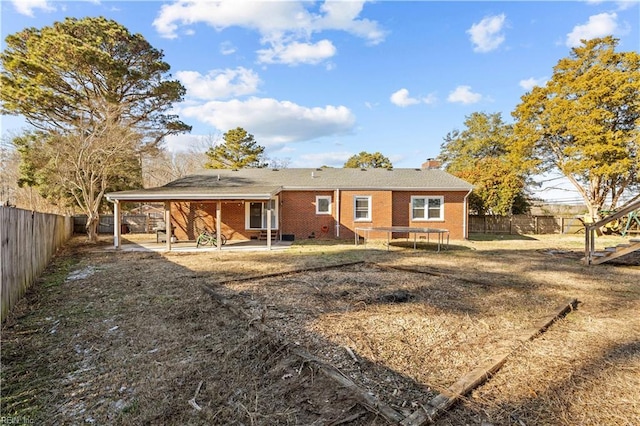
(80, 166)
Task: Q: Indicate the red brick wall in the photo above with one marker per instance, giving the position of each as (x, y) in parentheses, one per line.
(297, 215)
(189, 217)
(233, 221)
(453, 211)
(381, 212)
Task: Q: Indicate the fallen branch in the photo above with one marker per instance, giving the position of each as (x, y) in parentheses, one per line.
(192, 401)
(368, 401)
(290, 272)
(351, 354)
(443, 401)
(348, 419)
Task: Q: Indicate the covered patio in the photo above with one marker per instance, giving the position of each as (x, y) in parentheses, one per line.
(147, 242)
(215, 208)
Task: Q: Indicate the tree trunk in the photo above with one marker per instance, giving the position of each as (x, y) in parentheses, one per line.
(93, 220)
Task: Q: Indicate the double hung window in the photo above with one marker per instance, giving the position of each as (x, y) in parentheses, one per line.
(323, 204)
(427, 208)
(362, 208)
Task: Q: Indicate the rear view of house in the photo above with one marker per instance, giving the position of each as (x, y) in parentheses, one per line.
(302, 203)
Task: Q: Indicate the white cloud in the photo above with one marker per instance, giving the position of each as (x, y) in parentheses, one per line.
(332, 159)
(401, 98)
(343, 16)
(530, 83)
(600, 25)
(26, 7)
(621, 4)
(430, 99)
(219, 84)
(626, 4)
(487, 34)
(297, 53)
(279, 23)
(186, 142)
(227, 48)
(274, 122)
(464, 95)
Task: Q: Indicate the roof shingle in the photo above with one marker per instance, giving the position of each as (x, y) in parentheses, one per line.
(264, 183)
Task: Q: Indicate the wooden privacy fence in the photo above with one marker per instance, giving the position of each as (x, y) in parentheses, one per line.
(524, 224)
(28, 240)
(137, 223)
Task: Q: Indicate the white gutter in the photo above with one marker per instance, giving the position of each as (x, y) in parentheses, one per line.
(465, 215)
(182, 197)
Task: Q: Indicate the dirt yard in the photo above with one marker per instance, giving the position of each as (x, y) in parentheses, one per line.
(325, 334)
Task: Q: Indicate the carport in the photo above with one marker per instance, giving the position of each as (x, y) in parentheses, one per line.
(173, 194)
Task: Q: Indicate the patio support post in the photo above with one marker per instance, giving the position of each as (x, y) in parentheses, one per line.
(167, 221)
(116, 224)
(337, 213)
(269, 225)
(219, 225)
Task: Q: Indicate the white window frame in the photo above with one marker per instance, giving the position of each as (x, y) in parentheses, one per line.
(355, 202)
(274, 215)
(323, 197)
(426, 217)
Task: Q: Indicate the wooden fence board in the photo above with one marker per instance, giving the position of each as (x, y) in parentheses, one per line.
(28, 240)
(517, 224)
(138, 223)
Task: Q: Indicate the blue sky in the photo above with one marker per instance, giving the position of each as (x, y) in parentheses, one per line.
(316, 82)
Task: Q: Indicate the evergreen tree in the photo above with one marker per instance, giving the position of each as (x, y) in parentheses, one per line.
(97, 95)
(585, 123)
(237, 151)
(366, 160)
(480, 155)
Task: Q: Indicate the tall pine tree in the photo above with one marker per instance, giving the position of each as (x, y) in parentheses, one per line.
(237, 151)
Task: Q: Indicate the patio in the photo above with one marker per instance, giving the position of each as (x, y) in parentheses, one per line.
(147, 242)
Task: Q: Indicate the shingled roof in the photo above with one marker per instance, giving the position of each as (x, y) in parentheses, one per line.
(265, 183)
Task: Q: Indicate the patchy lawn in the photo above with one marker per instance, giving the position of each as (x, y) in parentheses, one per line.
(108, 337)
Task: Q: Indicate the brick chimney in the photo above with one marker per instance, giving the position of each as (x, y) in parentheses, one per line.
(431, 163)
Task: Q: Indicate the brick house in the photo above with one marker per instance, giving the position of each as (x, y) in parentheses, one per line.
(302, 203)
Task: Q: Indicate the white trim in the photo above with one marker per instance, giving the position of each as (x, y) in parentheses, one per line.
(116, 224)
(269, 214)
(329, 207)
(426, 217)
(465, 216)
(369, 209)
(219, 224)
(265, 207)
(167, 221)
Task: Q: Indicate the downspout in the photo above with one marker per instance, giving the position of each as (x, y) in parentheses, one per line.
(465, 216)
(337, 213)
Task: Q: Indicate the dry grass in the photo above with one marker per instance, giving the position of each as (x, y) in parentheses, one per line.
(130, 342)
